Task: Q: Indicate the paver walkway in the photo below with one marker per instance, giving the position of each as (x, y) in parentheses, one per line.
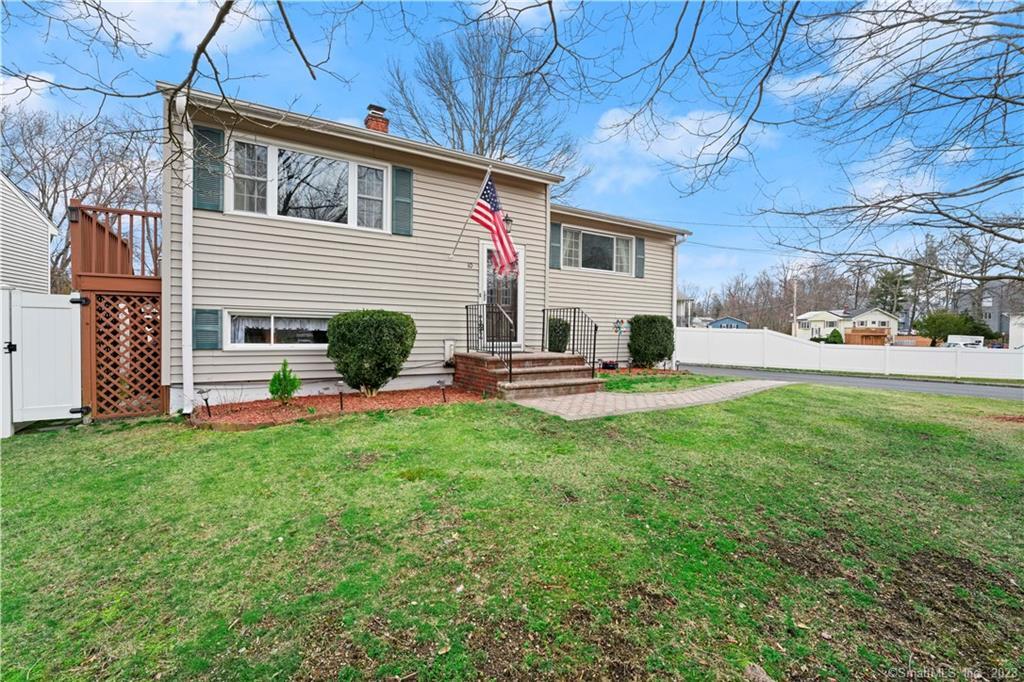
(605, 403)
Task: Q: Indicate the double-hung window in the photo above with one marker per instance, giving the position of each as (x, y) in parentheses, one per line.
(596, 251)
(250, 177)
(257, 330)
(280, 181)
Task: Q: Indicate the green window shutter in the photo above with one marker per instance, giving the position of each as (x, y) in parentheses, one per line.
(555, 247)
(206, 329)
(401, 201)
(208, 169)
(638, 271)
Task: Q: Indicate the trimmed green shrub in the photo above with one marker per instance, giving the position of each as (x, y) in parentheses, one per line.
(835, 336)
(651, 340)
(369, 347)
(284, 383)
(558, 335)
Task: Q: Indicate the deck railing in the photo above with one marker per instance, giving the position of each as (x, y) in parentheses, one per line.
(114, 241)
(582, 333)
(489, 329)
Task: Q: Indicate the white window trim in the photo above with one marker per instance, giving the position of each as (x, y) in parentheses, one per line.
(227, 344)
(272, 145)
(603, 233)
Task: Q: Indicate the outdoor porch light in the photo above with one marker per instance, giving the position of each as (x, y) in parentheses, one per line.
(508, 222)
(73, 214)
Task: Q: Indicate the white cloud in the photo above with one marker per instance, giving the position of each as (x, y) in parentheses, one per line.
(168, 26)
(885, 175)
(26, 95)
(626, 152)
(869, 59)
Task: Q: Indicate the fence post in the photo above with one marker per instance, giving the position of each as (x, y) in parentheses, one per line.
(707, 346)
(885, 360)
(821, 348)
(764, 347)
(956, 363)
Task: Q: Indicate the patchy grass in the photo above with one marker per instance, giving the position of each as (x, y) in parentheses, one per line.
(816, 531)
(650, 383)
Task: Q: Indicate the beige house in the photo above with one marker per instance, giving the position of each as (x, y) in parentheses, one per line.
(856, 326)
(25, 236)
(275, 221)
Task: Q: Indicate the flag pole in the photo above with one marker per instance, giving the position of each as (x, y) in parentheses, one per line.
(476, 197)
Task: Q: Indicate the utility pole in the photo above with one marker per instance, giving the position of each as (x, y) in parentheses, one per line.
(793, 326)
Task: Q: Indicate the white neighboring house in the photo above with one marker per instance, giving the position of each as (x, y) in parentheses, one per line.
(25, 235)
(1016, 331)
(820, 323)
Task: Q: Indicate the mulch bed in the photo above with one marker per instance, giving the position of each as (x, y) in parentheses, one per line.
(258, 413)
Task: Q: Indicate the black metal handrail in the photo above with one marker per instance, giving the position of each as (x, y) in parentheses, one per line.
(489, 329)
(582, 338)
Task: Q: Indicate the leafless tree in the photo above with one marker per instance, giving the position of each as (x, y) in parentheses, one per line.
(924, 99)
(480, 95)
(920, 101)
(102, 160)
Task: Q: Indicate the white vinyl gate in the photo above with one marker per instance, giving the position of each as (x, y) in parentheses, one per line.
(42, 357)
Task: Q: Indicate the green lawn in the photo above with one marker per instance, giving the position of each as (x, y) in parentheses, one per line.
(815, 531)
(647, 383)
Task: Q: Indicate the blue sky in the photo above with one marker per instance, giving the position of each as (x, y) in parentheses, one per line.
(627, 178)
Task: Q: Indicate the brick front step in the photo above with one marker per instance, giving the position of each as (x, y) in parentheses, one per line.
(541, 373)
(547, 388)
(533, 374)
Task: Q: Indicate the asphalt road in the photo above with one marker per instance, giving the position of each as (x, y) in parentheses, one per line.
(939, 387)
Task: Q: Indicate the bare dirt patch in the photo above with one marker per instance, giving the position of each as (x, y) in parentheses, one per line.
(257, 413)
(935, 597)
(503, 647)
(945, 610)
(1012, 418)
(328, 649)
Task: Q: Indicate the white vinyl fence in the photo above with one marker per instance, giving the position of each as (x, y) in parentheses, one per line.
(768, 349)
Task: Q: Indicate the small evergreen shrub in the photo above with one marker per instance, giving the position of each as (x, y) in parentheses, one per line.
(651, 340)
(369, 347)
(284, 383)
(835, 336)
(558, 335)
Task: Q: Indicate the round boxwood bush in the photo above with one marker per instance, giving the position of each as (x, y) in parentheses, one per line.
(558, 335)
(369, 347)
(651, 340)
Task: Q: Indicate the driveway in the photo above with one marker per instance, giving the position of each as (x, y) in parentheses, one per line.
(937, 387)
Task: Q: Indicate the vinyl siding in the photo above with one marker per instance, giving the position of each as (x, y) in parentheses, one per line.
(263, 264)
(24, 243)
(607, 296)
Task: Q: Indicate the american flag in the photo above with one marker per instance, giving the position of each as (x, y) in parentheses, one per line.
(488, 214)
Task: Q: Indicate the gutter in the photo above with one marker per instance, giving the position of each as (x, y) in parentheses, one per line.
(272, 117)
(621, 221)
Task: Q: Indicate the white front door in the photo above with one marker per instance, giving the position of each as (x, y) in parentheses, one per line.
(504, 290)
(46, 370)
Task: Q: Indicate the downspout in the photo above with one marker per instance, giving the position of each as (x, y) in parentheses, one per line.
(188, 387)
(679, 240)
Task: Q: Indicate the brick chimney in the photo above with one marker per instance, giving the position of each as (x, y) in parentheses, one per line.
(375, 119)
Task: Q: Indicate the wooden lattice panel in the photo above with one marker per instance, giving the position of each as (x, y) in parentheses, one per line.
(127, 328)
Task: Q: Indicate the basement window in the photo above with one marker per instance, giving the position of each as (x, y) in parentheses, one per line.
(253, 330)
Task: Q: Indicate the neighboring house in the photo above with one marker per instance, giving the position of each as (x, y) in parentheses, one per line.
(699, 322)
(869, 326)
(260, 253)
(992, 304)
(728, 322)
(25, 234)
